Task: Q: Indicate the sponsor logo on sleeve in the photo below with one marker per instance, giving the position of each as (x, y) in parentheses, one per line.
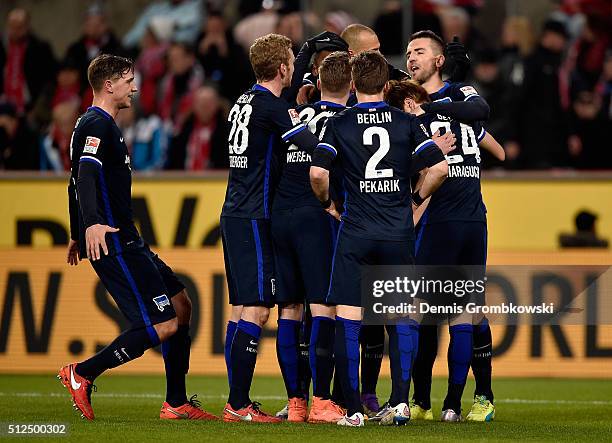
(91, 145)
(468, 90)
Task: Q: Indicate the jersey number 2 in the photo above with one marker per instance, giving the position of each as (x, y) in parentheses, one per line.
(385, 144)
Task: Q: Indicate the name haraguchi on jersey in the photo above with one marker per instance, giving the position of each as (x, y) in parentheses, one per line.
(374, 144)
(259, 121)
(459, 198)
(294, 188)
(97, 139)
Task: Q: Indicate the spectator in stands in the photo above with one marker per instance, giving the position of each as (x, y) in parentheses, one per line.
(184, 77)
(517, 42)
(146, 138)
(588, 126)
(66, 87)
(202, 141)
(256, 25)
(388, 24)
(96, 38)
(186, 17)
(585, 235)
(55, 146)
(223, 60)
(455, 21)
(151, 63)
(499, 93)
(290, 25)
(18, 143)
(543, 122)
(337, 21)
(27, 63)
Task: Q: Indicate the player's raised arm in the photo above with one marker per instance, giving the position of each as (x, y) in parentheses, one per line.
(324, 41)
(429, 155)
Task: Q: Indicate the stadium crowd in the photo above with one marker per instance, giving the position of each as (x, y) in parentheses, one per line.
(549, 88)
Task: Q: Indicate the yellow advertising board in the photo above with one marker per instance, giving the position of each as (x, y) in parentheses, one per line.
(52, 314)
(524, 214)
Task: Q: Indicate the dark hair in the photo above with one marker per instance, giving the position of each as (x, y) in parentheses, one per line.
(431, 36)
(397, 91)
(107, 67)
(370, 72)
(335, 72)
(585, 220)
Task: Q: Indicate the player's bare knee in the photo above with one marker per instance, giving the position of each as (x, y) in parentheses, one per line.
(166, 329)
(320, 310)
(182, 306)
(291, 311)
(256, 314)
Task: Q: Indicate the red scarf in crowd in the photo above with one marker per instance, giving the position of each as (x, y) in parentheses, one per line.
(15, 88)
(199, 146)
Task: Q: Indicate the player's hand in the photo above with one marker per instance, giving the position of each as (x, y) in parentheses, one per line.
(445, 142)
(72, 256)
(513, 150)
(304, 94)
(333, 211)
(95, 238)
(327, 41)
(456, 51)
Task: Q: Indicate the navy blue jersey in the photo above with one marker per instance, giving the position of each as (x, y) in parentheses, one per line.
(294, 188)
(98, 140)
(459, 197)
(455, 92)
(259, 121)
(374, 144)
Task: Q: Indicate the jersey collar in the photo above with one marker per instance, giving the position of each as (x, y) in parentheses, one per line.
(100, 111)
(443, 88)
(330, 104)
(372, 105)
(258, 87)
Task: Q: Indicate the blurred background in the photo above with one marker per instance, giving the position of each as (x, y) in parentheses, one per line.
(544, 66)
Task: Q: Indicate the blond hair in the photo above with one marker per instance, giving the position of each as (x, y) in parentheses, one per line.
(267, 53)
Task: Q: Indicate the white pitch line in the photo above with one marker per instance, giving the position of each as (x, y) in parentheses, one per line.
(280, 397)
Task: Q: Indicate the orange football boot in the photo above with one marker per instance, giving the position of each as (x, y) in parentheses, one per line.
(80, 389)
(298, 410)
(324, 411)
(250, 413)
(191, 410)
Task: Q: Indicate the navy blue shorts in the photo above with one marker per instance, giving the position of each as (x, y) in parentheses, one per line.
(456, 243)
(141, 284)
(452, 243)
(304, 241)
(249, 261)
(351, 254)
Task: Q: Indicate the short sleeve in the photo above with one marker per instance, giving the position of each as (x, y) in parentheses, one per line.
(286, 119)
(420, 139)
(93, 139)
(327, 138)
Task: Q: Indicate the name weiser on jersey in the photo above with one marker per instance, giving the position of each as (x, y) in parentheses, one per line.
(238, 161)
(298, 157)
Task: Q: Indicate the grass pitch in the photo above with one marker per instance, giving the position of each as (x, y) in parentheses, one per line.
(127, 409)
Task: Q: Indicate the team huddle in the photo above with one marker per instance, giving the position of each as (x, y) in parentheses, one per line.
(376, 166)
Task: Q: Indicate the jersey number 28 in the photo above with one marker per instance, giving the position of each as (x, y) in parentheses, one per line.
(239, 134)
